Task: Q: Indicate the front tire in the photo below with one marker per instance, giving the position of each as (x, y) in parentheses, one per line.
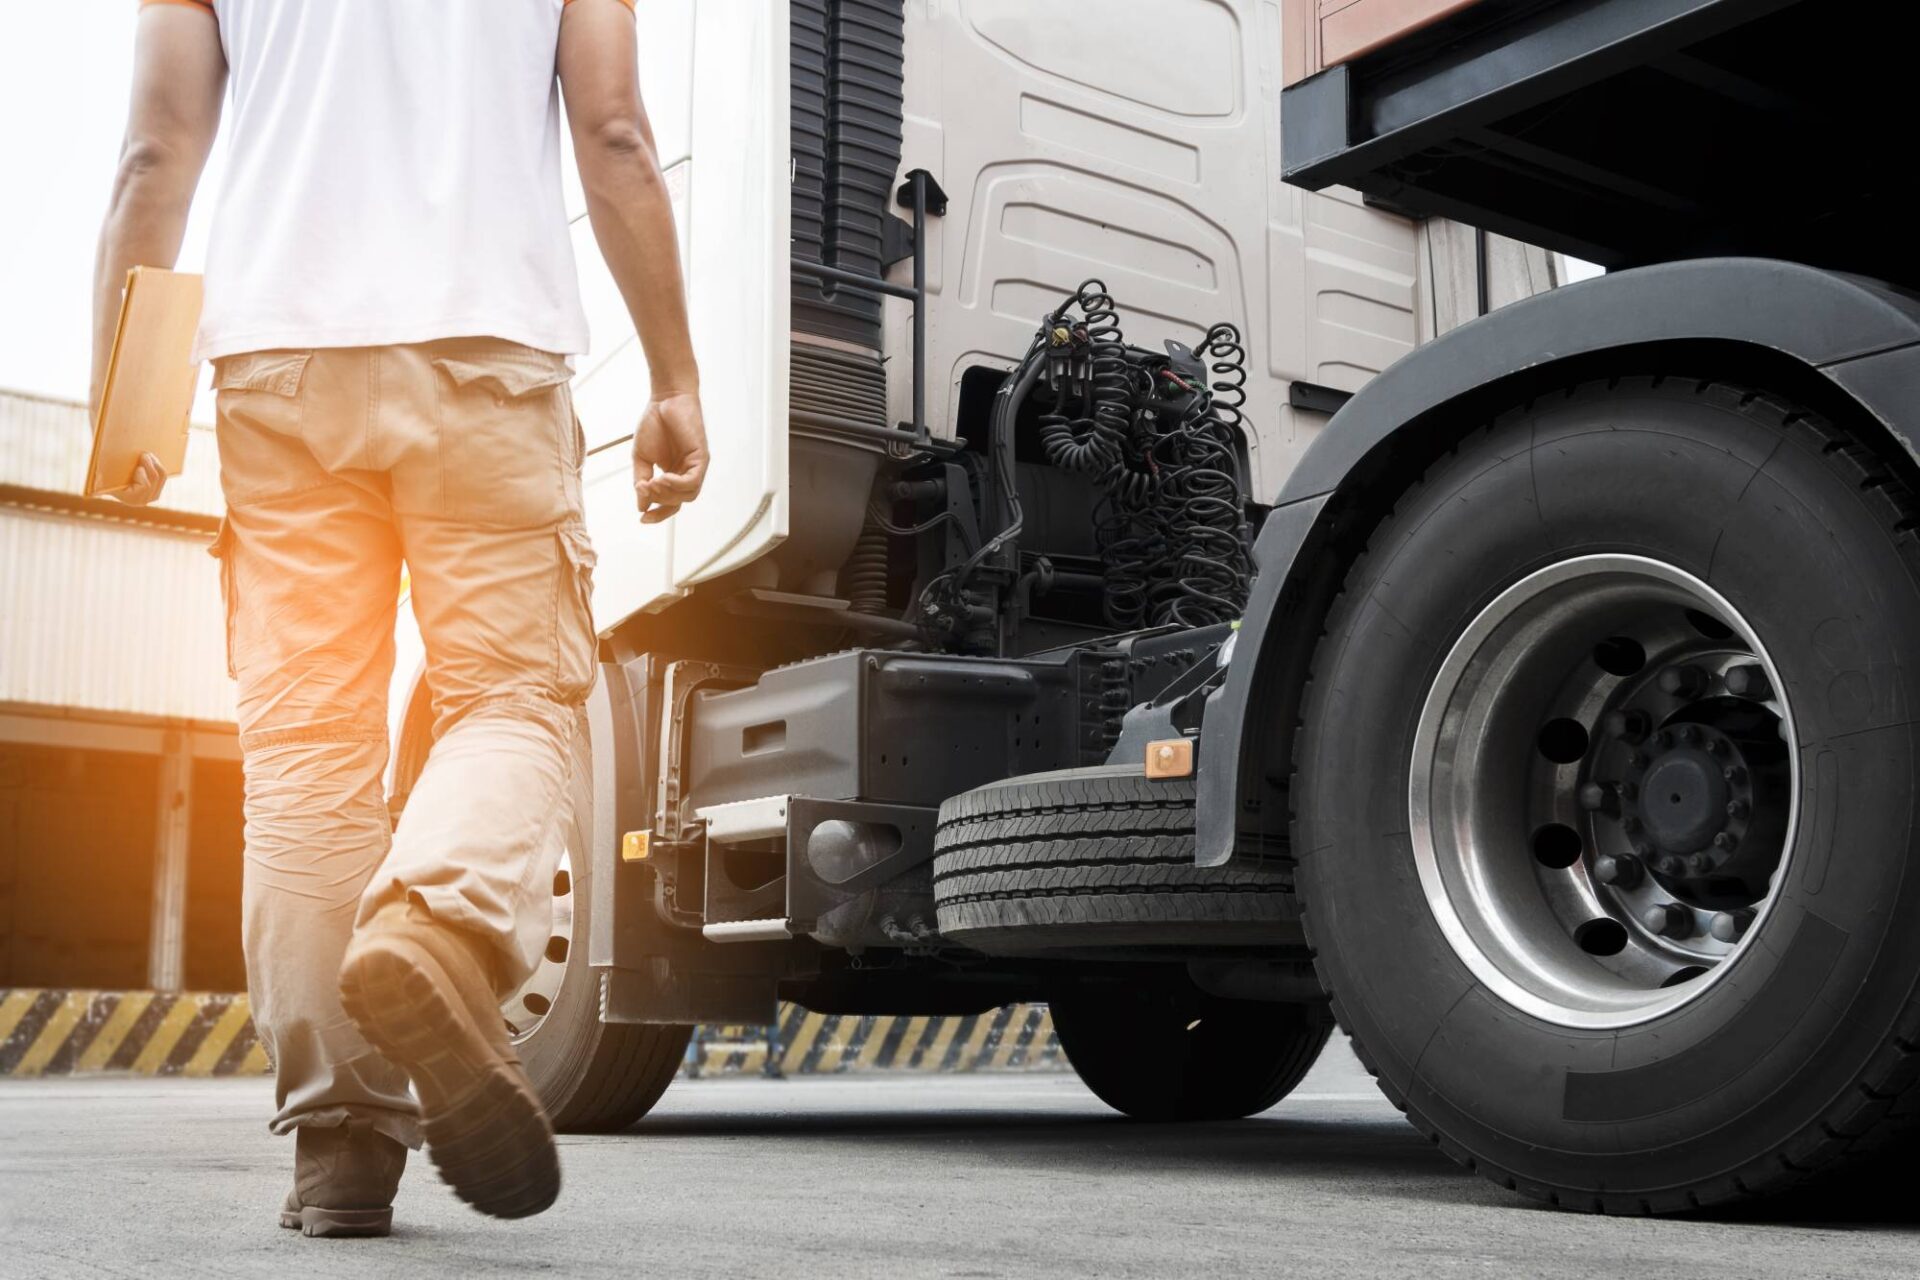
(1733, 738)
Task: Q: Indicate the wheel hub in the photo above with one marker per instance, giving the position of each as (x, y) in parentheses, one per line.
(1601, 798)
(1701, 803)
(1681, 801)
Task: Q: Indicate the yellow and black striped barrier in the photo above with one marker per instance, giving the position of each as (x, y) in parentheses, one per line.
(149, 1033)
(1013, 1037)
(51, 1032)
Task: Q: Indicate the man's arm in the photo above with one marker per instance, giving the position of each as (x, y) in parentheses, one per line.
(179, 76)
(633, 222)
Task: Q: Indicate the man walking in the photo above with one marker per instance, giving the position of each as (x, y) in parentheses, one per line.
(390, 304)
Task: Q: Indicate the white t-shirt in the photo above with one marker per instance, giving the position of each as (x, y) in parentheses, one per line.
(393, 177)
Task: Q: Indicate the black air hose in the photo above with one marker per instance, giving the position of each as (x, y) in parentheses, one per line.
(863, 579)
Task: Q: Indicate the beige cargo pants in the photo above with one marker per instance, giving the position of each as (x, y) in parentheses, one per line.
(461, 459)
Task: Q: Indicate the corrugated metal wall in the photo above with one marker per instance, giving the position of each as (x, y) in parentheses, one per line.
(110, 617)
(98, 611)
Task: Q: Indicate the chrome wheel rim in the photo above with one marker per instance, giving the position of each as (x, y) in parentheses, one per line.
(1603, 794)
(527, 1008)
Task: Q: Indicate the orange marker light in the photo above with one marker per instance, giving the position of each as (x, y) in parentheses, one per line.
(634, 846)
(1170, 758)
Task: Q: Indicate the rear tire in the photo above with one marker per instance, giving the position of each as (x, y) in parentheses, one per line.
(1791, 1049)
(1178, 1056)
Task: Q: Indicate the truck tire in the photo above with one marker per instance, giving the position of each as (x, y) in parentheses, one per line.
(1604, 799)
(1178, 1056)
(592, 1076)
(1081, 860)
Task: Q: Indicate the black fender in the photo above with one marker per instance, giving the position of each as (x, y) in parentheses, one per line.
(1845, 337)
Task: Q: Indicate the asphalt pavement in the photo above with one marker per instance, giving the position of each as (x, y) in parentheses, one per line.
(873, 1175)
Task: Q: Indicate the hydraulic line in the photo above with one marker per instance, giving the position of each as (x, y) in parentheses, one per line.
(1093, 441)
(948, 612)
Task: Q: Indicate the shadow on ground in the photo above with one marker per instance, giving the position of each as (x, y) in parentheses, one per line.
(1385, 1151)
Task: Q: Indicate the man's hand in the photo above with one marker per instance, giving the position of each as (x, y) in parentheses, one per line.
(669, 456)
(148, 479)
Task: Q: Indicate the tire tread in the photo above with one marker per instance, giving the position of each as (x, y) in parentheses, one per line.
(1101, 855)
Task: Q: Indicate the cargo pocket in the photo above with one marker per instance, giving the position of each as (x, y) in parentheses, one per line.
(506, 428)
(259, 430)
(574, 636)
(222, 550)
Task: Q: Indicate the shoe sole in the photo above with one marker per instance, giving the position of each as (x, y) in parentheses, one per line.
(339, 1223)
(485, 1129)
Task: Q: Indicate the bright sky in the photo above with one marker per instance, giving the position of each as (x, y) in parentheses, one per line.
(64, 71)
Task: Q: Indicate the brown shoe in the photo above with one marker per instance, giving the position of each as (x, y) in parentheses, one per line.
(422, 994)
(344, 1178)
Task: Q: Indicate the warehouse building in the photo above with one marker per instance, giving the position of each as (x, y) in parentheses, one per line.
(120, 826)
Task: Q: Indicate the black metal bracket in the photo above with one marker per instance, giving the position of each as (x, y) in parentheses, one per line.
(898, 237)
(1170, 714)
(921, 180)
(896, 240)
(1315, 398)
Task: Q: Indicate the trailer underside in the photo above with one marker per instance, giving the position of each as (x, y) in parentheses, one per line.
(1632, 131)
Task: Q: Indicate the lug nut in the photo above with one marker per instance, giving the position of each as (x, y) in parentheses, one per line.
(1598, 797)
(1734, 773)
(1628, 726)
(1642, 850)
(1622, 872)
(1749, 681)
(1716, 746)
(1726, 842)
(1699, 864)
(1736, 809)
(1669, 920)
(1683, 681)
(1728, 926)
(1669, 865)
(1689, 734)
(1637, 759)
(1663, 740)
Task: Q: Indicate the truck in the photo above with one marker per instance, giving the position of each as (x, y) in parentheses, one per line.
(1170, 555)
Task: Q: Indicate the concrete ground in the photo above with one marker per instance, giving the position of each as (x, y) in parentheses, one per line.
(876, 1175)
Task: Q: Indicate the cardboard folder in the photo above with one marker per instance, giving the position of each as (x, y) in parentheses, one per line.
(150, 380)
